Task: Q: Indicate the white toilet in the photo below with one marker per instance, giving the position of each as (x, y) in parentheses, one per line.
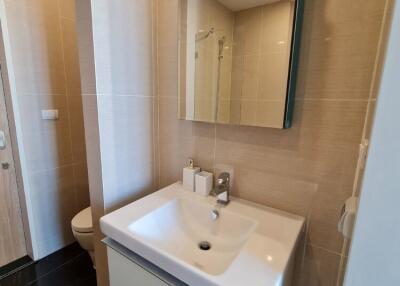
(82, 228)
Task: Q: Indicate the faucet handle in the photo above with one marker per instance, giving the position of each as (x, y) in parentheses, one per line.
(223, 178)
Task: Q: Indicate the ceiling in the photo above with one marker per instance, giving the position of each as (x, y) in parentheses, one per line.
(238, 5)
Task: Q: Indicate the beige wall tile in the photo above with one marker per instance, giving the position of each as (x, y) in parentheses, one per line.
(40, 70)
(270, 113)
(67, 8)
(167, 69)
(180, 140)
(325, 235)
(320, 268)
(78, 145)
(45, 6)
(273, 77)
(167, 14)
(276, 30)
(34, 30)
(247, 32)
(251, 77)
(224, 109)
(48, 149)
(81, 185)
(237, 77)
(71, 57)
(248, 116)
(338, 53)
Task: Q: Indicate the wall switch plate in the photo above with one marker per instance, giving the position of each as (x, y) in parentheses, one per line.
(50, 114)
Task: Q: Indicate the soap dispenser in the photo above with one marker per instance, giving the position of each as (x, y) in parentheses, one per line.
(189, 174)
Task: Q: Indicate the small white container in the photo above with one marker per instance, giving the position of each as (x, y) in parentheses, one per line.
(189, 173)
(204, 183)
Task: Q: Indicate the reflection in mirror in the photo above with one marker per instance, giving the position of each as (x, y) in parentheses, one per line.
(237, 61)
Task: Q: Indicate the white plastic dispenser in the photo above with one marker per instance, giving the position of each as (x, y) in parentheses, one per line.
(348, 217)
(204, 183)
(189, 174)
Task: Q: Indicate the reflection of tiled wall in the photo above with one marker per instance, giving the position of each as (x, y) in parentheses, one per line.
(202, 15)
(261, 53)
(308, 169)
(45, 59)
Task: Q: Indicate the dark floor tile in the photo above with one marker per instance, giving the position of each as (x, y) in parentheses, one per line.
(77, 272)
(43, 267)
(15, 266)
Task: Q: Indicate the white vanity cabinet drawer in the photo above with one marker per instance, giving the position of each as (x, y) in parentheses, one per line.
(124, 272)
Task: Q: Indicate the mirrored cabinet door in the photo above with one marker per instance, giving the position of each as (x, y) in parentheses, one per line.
(237, 61)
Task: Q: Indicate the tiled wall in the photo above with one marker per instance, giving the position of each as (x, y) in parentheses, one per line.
(308, 169)
(44, 57)
(203, 70)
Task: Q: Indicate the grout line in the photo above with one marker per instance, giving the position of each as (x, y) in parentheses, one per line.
(124, 95)
(67, 18)
(260, 57)
(41, 93)
(55, 168)
(68, 103)
(327, 250)
(215, 148)
(157, 96)
(342, 270)
(331, 99)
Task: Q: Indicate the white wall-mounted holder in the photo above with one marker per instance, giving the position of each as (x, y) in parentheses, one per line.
(2, 140)
(348, 217)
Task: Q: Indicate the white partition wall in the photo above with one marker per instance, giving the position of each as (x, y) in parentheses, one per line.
(375, 252)
(116, 56)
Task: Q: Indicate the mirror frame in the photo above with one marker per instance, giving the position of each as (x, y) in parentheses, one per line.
(293, 63)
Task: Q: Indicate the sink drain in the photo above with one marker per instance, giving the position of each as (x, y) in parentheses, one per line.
(205, 245)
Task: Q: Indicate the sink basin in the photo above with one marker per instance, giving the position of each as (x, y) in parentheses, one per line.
(247, 244)
(181, 225)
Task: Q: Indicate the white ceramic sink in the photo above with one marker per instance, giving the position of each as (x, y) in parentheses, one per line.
(180, 225)
(250, 244)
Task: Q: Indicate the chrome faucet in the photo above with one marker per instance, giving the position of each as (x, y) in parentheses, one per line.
(221, 190)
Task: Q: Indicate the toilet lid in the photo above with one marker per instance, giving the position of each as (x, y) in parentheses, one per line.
(82, 222)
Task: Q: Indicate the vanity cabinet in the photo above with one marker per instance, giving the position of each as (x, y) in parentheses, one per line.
(125, 272)
(129, 269)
